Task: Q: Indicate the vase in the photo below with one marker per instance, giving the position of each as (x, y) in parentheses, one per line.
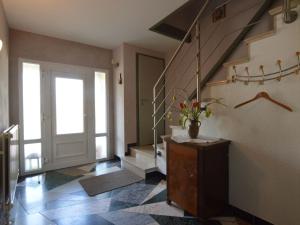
(194, 129)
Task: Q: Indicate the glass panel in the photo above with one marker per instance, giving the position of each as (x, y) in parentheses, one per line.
(33, 156)
(69, 106)
(101, 147)
(31, 101)
(100, 102)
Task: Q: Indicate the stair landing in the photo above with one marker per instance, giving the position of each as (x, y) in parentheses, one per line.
(141, 160)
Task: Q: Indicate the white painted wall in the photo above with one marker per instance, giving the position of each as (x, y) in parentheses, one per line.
(119, 139)
(125, 118)
(265, 149)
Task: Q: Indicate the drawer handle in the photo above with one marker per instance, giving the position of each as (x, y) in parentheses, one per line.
(159, 153)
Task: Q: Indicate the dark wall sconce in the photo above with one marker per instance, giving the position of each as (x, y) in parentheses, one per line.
(115, 63)
(120, 79)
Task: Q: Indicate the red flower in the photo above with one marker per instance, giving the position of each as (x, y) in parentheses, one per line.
(196, 104)
(182, 106)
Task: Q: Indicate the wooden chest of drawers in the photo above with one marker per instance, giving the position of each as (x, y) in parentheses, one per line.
(197, 177)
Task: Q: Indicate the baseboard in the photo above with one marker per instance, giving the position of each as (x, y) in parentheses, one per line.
(248, 217)
(116, 158)
(128, 152)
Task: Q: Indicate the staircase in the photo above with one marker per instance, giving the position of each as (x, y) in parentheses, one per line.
(189, 63)
(142, 160)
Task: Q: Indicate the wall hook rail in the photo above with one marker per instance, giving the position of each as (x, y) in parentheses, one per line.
(280, 70)
(263, 77)
(261, 67)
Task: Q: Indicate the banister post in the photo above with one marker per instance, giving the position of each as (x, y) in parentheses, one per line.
(154, 124)
(198, 73)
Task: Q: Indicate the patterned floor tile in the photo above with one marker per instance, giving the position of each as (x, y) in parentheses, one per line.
(83, 220)
(88, 167)
(134, 194)
(160, 197)
(168, 220)
(54, 179)
(117, 205)
(73, 171)
(17, 210)
(161, 186)
(161, 208)
(142, 203)
(126, 218)
(35, 219)
(87, 208)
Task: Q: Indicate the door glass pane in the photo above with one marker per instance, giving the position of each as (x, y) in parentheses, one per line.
(33, 156)
(100, 102)
(69, 106)
(101, 147)
(31, 101)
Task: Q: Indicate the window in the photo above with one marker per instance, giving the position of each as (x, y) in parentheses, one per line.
(101, 115)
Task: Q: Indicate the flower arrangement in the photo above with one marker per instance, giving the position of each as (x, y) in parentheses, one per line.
(193, 112)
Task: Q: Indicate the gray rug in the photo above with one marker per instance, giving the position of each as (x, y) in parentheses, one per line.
(107, 182)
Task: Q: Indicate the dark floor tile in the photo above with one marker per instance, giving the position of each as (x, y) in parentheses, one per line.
(162, 196)
(169, 220)
(186, 214)
(154, 178)
(134, 194)
(83, 220)
(54, 179)
(117, 205)
(107, 164)
(128, 218)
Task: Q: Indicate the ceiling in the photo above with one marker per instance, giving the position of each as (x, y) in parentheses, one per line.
(102, 23)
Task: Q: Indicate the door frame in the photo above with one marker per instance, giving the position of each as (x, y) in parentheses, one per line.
(45, 73)
(138, 90)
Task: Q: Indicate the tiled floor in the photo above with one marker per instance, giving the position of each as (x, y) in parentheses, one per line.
(58, 198)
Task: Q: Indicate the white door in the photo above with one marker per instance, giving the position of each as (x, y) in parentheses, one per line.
(63, 116)
(69, 119)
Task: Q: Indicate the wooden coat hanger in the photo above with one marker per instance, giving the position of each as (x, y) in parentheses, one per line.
(264, 95)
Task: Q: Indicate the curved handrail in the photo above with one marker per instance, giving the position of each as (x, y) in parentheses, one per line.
(181, 44)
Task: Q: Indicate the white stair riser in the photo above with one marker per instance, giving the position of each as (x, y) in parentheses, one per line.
(162, 161)
(137, 153)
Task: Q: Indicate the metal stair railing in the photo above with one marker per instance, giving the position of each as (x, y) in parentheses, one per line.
(161, 78)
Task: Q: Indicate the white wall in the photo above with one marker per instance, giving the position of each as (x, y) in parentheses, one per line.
(265, 149)
(125, 95)
(119, 122)
(4, 107)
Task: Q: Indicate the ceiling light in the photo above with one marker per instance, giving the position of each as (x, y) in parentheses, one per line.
(1, 44)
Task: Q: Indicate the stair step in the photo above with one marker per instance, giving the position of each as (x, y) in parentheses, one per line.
(147, 151)
(140, 165)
